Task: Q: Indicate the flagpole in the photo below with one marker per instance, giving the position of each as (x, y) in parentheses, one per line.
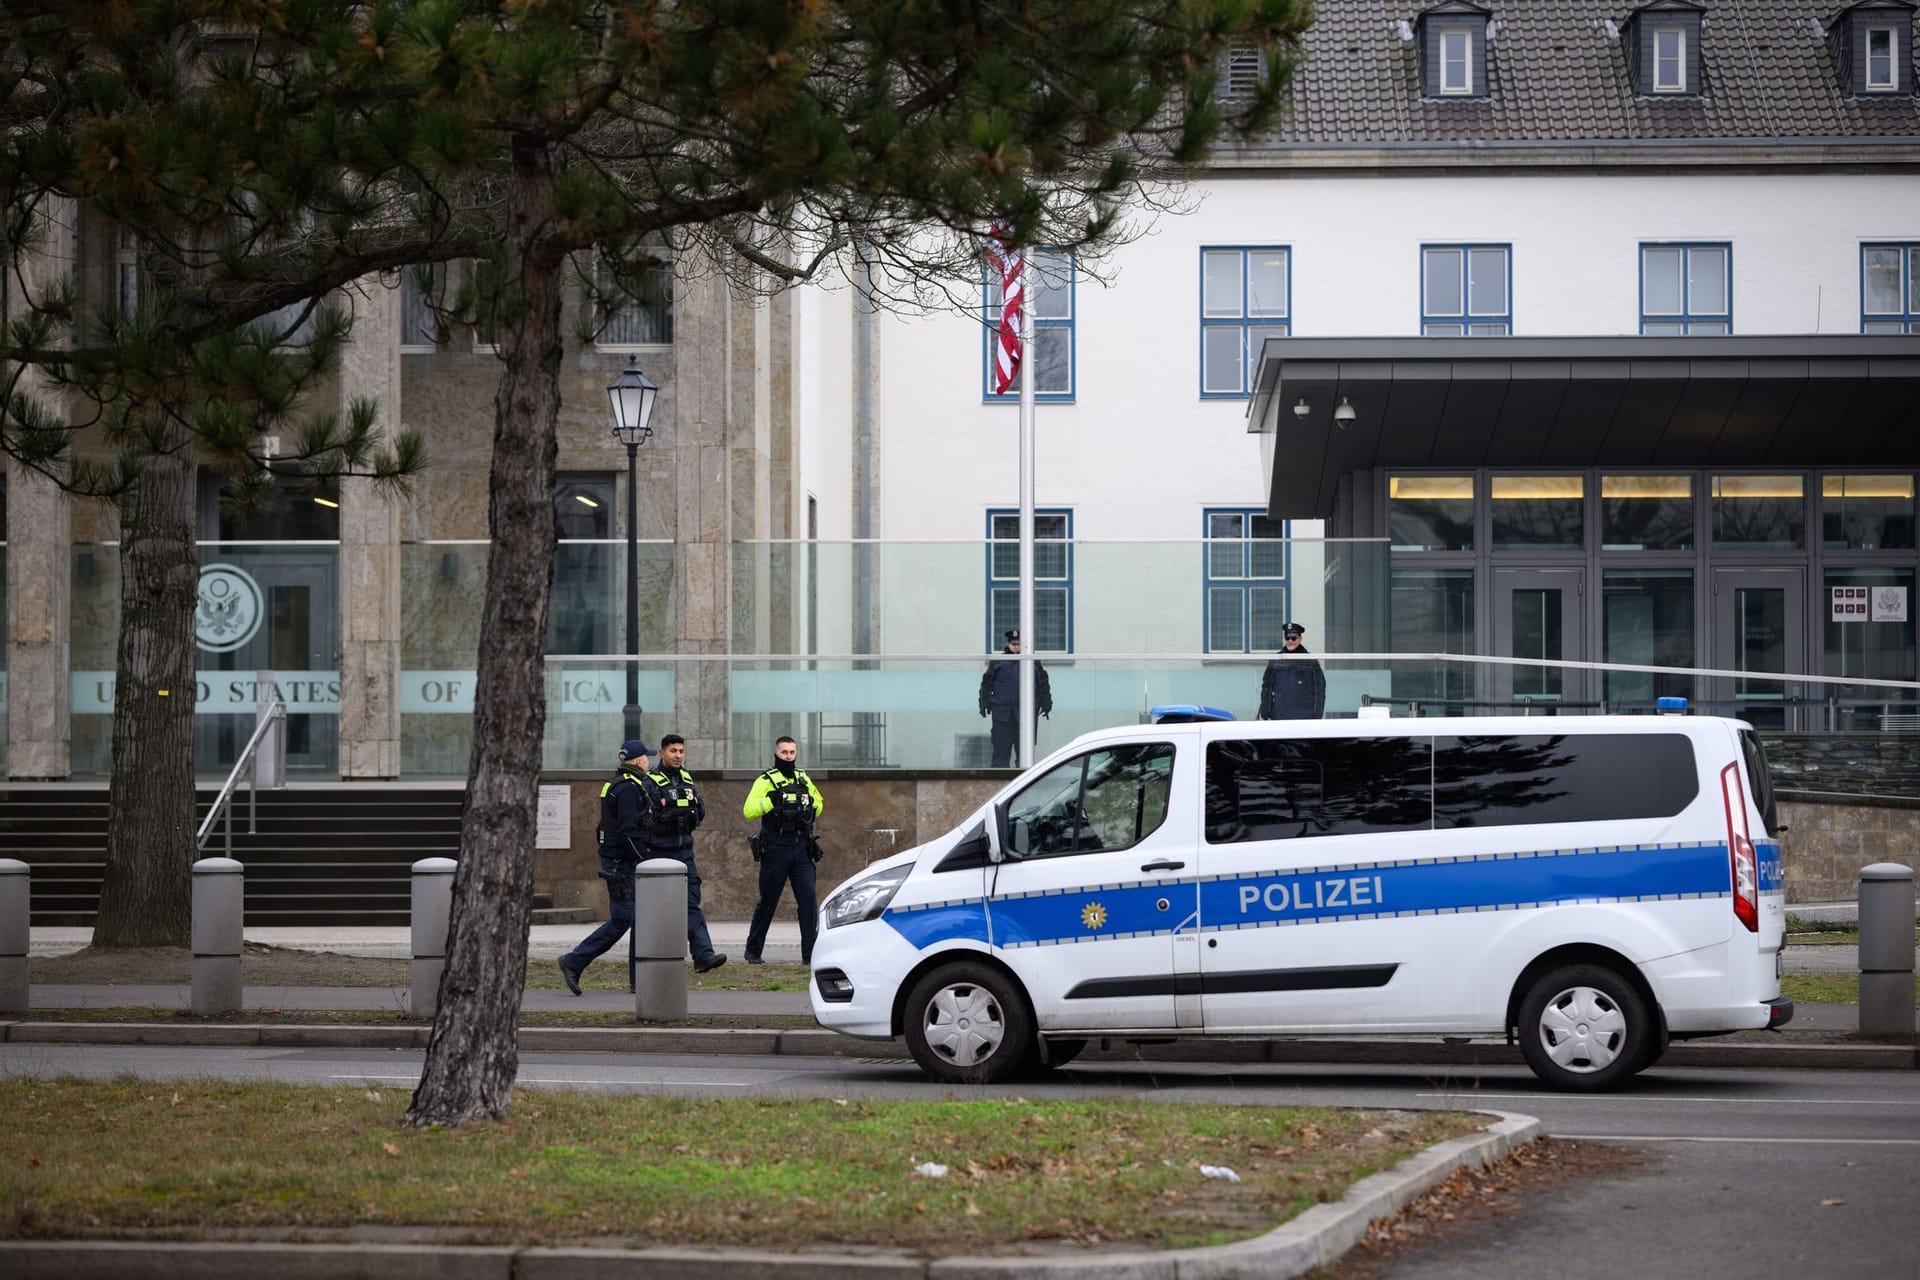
(1028, 638)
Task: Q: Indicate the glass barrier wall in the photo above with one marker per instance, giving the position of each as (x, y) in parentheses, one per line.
(443, 589)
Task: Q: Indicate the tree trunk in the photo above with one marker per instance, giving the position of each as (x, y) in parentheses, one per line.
(146, 895)
(472, 1054)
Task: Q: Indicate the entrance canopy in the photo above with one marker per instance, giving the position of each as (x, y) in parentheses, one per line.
(1328, 407)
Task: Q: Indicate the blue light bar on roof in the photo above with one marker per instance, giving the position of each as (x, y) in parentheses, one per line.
(1671, 705)
(1188, 713)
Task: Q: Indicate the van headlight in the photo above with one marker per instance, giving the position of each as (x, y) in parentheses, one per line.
(865, 899)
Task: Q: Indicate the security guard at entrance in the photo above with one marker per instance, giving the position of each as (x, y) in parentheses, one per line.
(787, 804)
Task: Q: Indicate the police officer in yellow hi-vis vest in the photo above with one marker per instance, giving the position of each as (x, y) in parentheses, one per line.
(677, 811)
(787, 804)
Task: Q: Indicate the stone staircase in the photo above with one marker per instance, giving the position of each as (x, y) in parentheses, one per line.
(321, 855)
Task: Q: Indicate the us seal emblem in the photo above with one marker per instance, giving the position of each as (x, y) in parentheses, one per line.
(230, 608)
(1093, 915)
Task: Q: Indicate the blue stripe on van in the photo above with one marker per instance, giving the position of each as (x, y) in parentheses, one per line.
(1360, 891)
(1481, 883)
(940, 922)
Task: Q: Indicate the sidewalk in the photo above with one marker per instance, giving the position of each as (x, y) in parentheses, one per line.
(1805, 1044)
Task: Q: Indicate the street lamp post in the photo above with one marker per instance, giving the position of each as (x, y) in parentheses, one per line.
(632, 395)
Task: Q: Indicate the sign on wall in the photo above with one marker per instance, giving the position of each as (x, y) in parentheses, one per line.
(1850, 604)
(555, 825)
(1889, 604)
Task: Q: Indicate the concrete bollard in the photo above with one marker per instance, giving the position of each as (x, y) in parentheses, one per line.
(660, 940)
(1886, 950)
(432, 910)
(16, 933)
(219, 894)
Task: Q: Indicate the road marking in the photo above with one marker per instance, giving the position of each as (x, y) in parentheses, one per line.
(1637, 1097)
(1785, 1142)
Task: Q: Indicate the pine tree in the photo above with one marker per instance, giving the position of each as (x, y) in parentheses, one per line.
(233, 153)
(765, 135)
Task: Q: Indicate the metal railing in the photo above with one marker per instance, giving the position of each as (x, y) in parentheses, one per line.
(270, 729)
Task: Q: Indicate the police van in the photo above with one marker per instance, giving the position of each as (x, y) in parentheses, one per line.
(1588, 886)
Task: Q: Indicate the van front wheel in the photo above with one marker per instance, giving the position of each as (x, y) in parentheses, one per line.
(1585, 1029)
(966, 1024)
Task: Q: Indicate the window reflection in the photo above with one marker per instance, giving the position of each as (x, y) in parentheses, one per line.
(1537, 512)
(1646, 513)
(1867, 512)
(1759, 512)
(1430, 513)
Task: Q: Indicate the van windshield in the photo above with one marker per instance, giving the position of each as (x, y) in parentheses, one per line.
(1760, 778)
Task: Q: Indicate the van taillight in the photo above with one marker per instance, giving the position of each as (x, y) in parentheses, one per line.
(1746, 867)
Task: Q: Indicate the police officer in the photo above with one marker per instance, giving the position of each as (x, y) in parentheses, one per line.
(626, 813)
(787, 804)
(677, 811)
(1000, 698)
(1293, 690)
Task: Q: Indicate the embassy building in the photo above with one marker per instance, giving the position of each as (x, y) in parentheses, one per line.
(1552, 354)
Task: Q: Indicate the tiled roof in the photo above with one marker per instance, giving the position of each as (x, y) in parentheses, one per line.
(1557, 72)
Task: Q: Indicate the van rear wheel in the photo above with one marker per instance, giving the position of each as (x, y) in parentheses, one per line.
(1585, 1029)
(967, 1024)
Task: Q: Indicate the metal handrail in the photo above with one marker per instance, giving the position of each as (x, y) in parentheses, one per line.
(275, 715)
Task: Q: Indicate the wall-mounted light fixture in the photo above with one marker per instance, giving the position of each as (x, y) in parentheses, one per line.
(326, 502)
(1301, 409)
(584, 500)
(1343, 412)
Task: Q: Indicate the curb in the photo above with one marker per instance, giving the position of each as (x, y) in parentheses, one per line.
(769, 1042)
(1315, 1238)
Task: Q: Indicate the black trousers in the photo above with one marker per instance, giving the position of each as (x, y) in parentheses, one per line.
(1006, 729)
(785, 861)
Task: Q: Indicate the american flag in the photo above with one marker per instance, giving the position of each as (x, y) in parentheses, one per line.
(1006, 341)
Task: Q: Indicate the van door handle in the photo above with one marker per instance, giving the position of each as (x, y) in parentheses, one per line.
(1163, 865)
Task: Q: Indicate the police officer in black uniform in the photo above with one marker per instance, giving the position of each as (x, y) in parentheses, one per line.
(1295, 690)
(1000, 698)
(787, 804)
(677, 811)
(626, 813)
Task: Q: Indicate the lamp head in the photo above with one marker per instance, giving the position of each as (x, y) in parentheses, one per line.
(632, 395)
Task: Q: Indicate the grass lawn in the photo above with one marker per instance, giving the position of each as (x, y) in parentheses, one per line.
(1824, 988)
(199, 1159)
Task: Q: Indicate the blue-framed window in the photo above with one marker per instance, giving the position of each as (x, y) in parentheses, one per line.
(1466, 290)
(1245, 580)
(1686, 289)
(1890, 288)
(1245, 298)
(1050, 279)
(1052, 578)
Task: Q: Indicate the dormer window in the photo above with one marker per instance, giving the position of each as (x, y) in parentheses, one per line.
(1456, 63)
(1662, 44)
(1453, 50)
(1872, 44)
(1669, 60)
(1882, 73)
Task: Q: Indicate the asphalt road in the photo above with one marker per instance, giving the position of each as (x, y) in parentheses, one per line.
(1749, 1174)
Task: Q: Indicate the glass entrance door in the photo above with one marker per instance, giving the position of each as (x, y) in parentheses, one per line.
(1536, 614)
(1759, 624)
(267, 608)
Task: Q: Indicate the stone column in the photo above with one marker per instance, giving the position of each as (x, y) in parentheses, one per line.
(39, 580)
(370, 551)
(39, 583)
